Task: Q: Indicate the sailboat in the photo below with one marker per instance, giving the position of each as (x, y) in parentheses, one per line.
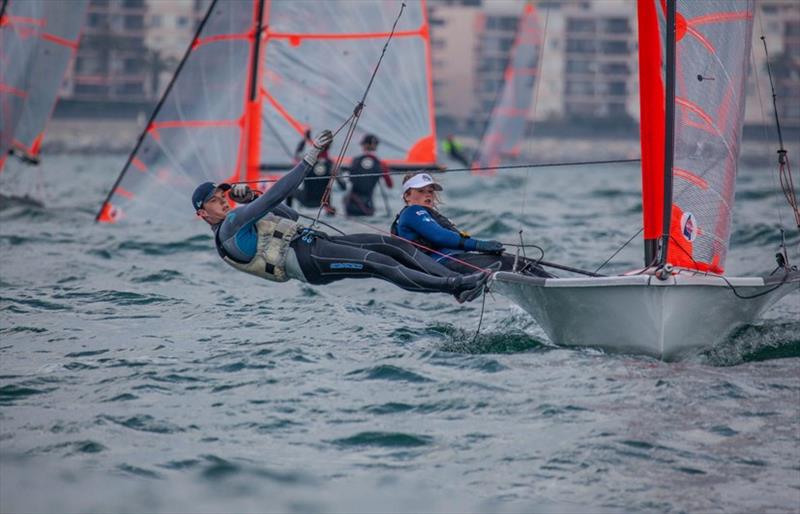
(693, 61)
(37, 40)
(257, 75)
(507, 124)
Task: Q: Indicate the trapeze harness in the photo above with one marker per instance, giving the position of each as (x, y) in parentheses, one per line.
(427, 246)
(275, 234)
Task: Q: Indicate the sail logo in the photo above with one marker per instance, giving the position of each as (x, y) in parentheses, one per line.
(688, 226)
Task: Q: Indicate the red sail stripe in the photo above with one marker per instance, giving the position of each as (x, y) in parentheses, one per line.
(295, 38)
(244, 36)
(690, 177)
(701, 38)
(73, 44)
(13, 20)
(13, 91)
(299, 127)
(722, 17)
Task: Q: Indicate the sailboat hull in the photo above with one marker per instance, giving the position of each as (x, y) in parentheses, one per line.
(642, 314)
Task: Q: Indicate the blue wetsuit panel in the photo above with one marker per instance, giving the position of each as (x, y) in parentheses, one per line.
(416, 223)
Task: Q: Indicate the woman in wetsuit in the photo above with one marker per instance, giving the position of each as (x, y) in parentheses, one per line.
(420, 222)
(263, 238)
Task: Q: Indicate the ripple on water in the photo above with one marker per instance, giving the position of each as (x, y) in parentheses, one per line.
(143, 423)
(388, 372)
(384, 439)
(11, 393)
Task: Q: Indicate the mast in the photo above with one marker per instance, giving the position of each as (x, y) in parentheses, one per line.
(669, 132)
(253, 109)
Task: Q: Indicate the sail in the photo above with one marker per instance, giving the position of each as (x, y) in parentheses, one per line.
(257, 74)
(37, 40)
(197, 132)
(506, 129)
(690, 155)
(318, 59)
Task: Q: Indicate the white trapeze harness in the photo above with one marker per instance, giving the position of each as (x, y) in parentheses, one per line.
(274, 235)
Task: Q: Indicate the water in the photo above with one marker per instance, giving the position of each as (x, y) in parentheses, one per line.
(139, 373)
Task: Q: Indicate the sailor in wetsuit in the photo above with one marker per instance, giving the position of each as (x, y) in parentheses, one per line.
(263, 238)
(420, 222)
(358, 202)
(313, 189)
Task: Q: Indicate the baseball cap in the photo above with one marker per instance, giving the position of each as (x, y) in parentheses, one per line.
(419, 181)
(370, 139)
(205, 191)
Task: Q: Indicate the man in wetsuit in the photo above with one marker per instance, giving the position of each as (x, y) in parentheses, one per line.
(358, 202)
(313, 189)
(420, 222)
(263, 238)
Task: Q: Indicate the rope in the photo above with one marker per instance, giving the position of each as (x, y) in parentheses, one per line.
(353, 122)
(456, 170)
(619, 250)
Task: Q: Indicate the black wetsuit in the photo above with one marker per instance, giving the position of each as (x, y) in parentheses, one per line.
(455, 249)
(358, 202)
(310, 195)
(324, 259)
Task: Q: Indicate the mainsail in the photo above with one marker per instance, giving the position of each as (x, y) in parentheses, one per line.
(257, 75)
(692, 111)
(37, 40)
(507, 124)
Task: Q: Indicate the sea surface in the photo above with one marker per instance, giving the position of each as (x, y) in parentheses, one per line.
(139, 373)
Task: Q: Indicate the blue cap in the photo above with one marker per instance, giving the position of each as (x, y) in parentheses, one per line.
(204, 192)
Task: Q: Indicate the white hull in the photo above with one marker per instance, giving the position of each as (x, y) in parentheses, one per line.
(642, 314)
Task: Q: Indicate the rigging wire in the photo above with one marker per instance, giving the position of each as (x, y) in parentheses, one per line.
(784, 167)
(353, 121)
(457, 170)
(626, 243)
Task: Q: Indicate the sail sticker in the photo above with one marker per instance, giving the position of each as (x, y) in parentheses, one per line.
(689, 226)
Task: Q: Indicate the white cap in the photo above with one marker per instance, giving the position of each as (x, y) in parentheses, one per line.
(419, 181)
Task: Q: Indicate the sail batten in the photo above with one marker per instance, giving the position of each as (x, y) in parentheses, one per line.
(712, 42)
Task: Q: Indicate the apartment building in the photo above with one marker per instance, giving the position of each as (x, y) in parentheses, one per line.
(111, 60)
(779, 22)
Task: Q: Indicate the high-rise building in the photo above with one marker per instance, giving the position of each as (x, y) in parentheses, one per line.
(779, 22)
(111, 60)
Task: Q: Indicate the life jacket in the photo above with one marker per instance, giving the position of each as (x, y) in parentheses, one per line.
(274, 235)
(439, 218)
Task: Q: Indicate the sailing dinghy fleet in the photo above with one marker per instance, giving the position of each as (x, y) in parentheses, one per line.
(37, 40)
(258, 74)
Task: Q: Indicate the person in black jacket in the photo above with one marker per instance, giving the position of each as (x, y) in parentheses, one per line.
(358, 201)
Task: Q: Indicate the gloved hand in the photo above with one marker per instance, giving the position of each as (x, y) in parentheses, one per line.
(484, 246)
(321, 143)
(241, 193)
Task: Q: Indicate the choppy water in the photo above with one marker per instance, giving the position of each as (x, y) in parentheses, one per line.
(139, 373)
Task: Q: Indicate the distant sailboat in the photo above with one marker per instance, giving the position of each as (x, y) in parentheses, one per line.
(37, 40)
(258, 74)
(693, 61)
(506, 127)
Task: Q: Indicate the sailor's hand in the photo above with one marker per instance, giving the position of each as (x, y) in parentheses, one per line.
(241, 193)
(323, 140)
(321, 143)
(484, 246)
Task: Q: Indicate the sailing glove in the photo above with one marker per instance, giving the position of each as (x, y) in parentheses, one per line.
(484, 246)
(321, 143)
(241, 193)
